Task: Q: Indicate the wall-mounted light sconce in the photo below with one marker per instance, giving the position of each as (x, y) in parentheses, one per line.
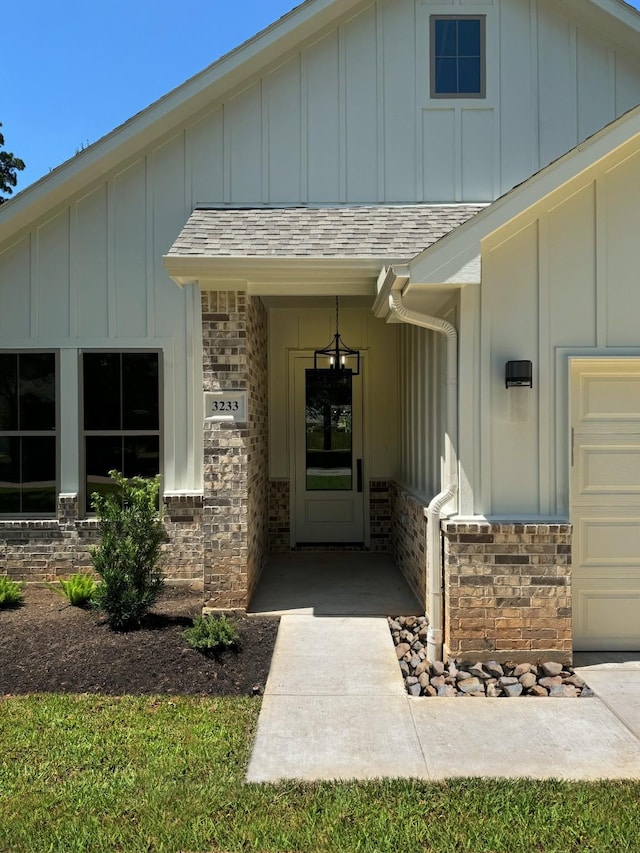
(518, 374)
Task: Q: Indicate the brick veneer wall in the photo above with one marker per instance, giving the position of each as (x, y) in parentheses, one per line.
(380, 515)
(508, 591)
(235, 510)
(257, 441)
(409, 539)
(46, 549)
(279, 517)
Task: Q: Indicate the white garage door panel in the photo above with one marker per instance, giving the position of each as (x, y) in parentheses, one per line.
(605, 504)
(607, 543)
(606, 616)
(608, 469)
(610, 397)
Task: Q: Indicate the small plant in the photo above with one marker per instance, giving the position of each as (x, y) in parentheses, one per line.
(10, 592)
(78, 589)
(211, 634)
(128, 556)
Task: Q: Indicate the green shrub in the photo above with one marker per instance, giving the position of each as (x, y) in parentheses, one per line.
(128, 556)
(78, 589)
(211, 634)
(10, 592)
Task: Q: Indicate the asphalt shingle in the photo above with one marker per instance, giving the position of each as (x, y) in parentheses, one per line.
(389, 231)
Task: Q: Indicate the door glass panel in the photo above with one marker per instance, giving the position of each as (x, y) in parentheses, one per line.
(328, 413)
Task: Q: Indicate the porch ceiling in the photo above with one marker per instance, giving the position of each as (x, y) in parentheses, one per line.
(305, 250)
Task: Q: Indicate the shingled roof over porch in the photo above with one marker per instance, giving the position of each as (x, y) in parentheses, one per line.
(346, 245)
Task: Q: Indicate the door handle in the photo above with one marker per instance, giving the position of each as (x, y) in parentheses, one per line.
(359, 473)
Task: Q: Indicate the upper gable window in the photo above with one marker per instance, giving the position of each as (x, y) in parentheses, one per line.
(458, 56)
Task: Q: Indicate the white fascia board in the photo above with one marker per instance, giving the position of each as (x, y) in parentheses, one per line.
(200, 91)
(277, 276)
(458, 254)
(614, 19)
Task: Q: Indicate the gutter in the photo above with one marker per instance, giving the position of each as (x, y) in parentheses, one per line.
(449, 493)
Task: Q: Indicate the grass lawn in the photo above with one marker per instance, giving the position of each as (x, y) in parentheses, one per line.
(87, 773)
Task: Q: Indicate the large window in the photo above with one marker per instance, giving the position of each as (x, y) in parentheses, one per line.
(121, 417)
(28, 447)
(457, 56)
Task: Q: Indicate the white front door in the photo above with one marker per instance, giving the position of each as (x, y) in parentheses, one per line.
(329, 476)
(605, 504)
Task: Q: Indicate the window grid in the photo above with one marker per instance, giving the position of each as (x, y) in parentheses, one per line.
(33, 452)
(122, 435)
(453, 57)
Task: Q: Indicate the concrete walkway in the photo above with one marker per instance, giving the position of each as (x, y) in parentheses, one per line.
(335, 708)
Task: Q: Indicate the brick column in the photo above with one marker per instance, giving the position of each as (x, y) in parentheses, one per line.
(508, 591)
(235, 508)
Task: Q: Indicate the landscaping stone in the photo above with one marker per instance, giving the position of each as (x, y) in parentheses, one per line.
(527, 679)
(494, 669)
(465, 678)
(470, 685)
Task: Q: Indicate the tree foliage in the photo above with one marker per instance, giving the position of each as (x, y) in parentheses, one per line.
(9, 165)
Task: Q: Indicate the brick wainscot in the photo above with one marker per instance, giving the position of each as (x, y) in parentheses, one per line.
(508, 591)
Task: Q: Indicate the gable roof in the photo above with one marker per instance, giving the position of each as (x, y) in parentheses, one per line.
(229, 71)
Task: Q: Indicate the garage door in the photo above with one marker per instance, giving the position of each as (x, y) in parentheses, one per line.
(605, 504)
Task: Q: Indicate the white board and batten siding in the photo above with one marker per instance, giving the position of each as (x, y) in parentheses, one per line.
(558, 281)
(91, 277)
(348, 117)
(559, 287)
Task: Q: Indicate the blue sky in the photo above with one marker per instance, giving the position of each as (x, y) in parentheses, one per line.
(72, 70)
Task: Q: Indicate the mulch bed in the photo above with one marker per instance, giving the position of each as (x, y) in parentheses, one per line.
(48, 646)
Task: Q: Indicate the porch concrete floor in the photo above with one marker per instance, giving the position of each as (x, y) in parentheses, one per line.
(333, 583)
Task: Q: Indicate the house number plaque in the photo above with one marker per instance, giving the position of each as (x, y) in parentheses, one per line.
(225, 406)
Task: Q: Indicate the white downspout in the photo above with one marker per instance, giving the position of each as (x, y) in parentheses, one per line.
(449, 492)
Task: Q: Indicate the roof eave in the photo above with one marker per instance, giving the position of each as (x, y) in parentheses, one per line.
(279, 276)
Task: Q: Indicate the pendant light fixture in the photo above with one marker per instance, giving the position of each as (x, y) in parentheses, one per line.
(338, 353)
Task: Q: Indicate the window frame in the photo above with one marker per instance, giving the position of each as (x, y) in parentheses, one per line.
(48, 433)
(482, 94)
(83, 496)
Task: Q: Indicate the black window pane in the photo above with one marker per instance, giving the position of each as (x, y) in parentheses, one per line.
(468, 38)
(328, 411)
(102, 454)
(37, 384)
(469, 76)
(445, 38)
(8, 391)
(101, 383)
(39, 474)
(446, 77)
(140, 391)
(142, 456)
(9, 475)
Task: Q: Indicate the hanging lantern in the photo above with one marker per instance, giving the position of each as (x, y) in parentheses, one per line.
(338, 354)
